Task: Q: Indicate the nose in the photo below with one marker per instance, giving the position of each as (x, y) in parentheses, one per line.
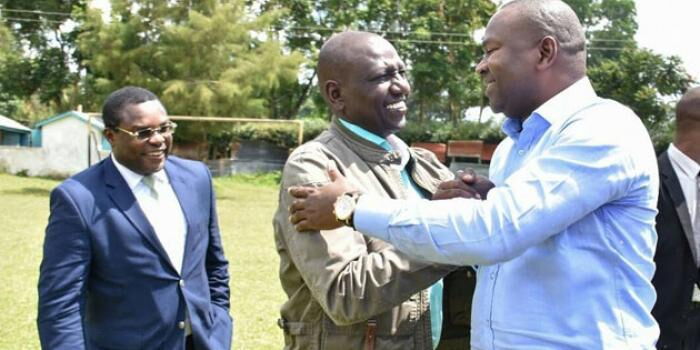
(400, 86)
(482, 67)
(157, 138)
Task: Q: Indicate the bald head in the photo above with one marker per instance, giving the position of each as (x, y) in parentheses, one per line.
(688, 111)
(540, 18)
(340, 52)
(688, 124)
(363, 81)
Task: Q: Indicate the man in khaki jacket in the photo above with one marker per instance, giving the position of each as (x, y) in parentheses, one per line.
(345, 290)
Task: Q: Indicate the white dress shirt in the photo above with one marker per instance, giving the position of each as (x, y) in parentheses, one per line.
(687, 171)
(164, 214)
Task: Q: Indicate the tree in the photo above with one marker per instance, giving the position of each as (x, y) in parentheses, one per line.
(9, 58)
(45, 31)
(434, 37)
(201, 57)
(619, 69)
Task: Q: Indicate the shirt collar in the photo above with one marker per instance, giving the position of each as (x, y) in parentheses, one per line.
(567, 102)
(392, 142)
(685, 164)
(369, 136)
(556, 109)
(133, 179)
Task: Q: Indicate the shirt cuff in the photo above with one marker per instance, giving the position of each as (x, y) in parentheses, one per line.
(373, 214)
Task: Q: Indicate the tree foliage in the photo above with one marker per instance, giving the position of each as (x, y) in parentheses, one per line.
(619, 69)
(45, 33)
(257, 58)
(202, 58)
(434, 37)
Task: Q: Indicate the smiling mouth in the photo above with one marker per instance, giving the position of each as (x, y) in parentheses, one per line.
(156, 153)
(397, 106)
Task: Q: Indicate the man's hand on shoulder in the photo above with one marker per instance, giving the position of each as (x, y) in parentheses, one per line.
(467, 184)
(312, 208)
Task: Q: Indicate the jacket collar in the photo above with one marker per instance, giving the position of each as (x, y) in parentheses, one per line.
(369, 151)
(669, 179)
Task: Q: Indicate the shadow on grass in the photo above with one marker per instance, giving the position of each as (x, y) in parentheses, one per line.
(226, 198)
(32, 191)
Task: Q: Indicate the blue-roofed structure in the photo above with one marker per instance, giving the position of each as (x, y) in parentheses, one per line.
(12, 133)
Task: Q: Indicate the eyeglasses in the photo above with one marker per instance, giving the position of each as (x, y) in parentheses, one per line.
(146, 134)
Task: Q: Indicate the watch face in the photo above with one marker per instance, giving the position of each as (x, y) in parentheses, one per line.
(344, 207)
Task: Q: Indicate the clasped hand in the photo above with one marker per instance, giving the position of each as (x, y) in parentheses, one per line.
(312, 208)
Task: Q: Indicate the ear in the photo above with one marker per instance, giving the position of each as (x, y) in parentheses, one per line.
(109, 134)
(334, 96)
(548, 49)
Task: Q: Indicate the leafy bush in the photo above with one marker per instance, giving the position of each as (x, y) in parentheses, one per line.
(442, 132)
(282, 135)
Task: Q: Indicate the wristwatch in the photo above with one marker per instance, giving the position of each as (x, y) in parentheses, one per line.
(344, 207)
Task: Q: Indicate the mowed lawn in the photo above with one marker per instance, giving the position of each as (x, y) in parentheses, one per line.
(246, 206)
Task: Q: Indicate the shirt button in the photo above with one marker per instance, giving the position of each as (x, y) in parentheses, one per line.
(182, 283)
(181, 325)
(493, 275)
(521, 152)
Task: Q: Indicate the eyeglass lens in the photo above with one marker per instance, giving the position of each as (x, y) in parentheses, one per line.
(145, 134)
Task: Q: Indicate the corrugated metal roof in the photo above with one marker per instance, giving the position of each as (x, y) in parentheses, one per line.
(95, 121)
(11, 125)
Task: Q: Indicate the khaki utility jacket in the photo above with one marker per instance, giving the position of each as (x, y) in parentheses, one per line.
(338, 282)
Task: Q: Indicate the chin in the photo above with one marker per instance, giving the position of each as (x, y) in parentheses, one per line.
(399, 125)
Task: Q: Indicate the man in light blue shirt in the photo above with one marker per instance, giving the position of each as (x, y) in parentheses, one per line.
(565, 241)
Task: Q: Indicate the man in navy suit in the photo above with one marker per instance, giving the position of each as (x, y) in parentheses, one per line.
(133, 258)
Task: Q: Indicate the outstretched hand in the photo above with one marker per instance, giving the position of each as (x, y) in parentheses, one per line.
(312, 208)
(467, 185)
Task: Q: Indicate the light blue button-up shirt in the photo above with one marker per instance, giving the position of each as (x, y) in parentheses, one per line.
(435, 291)
(565, 241)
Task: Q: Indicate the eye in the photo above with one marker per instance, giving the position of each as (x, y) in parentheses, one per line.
(145, 134)
(390, 75)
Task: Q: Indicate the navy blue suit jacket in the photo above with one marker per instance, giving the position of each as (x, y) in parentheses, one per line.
(107, 283)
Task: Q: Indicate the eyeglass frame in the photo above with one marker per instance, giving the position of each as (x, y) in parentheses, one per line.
(153, 131)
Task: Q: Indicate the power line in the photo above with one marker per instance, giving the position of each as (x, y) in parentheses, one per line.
(311, 29)
(38, 12)
(435, 42)
(14, 19)
(321, 29)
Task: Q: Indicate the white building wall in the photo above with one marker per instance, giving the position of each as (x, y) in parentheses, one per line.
(63, 151)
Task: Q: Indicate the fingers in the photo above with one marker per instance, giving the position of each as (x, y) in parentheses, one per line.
(334, 174)
(300, 191)
(297, 205)
(456, 193)
(468, 175)
(446, 185)
(455, 184)
(302, 226)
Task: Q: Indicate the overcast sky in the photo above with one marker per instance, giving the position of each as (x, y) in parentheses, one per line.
(671, 27)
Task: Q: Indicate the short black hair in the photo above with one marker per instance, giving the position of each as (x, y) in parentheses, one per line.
(118, 100)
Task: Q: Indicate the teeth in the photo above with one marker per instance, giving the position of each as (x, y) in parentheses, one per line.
(397, 105)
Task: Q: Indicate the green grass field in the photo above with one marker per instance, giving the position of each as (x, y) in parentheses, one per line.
(246, 206)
